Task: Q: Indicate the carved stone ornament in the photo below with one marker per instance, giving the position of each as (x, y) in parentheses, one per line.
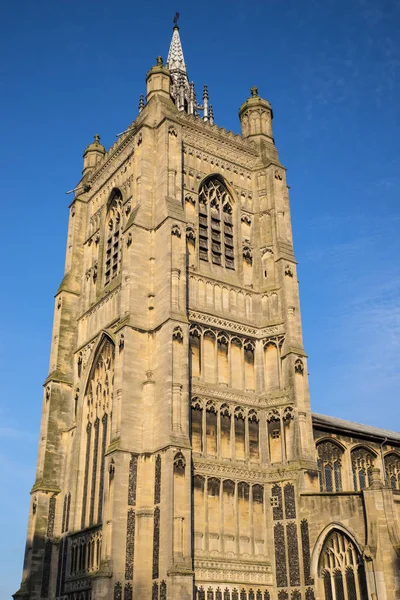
(59, 302)
(278, 175)
(266, 251)
(47, 392)
(298, 366)
(288, 271)
(128, 208)
(139, 139)
(190, 200)
(121, 342)
(247, 254)
(172, 131)
(95, 272)
(88, 274)
(177, 334)
(179, 463)
(175, 230)
(34, 504)
(129, 239)
(111, 468)
(97, 238)
(190, 234)
(246, 219)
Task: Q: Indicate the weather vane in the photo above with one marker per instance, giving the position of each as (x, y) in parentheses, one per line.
(176, 19)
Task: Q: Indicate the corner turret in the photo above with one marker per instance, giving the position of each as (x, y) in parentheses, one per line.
(92, 155)
(256, 117)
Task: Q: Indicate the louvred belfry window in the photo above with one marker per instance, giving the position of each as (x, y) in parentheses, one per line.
(216, 241)
(113, 238)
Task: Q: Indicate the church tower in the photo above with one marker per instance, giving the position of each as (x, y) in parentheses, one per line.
(176, 431)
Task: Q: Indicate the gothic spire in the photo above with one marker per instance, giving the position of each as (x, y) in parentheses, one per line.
(175, 60)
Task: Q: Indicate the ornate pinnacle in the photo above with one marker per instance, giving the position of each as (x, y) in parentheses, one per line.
(254, 91)
(160, 62)
(211, 114)
(141, 103)
(205, 92)
(97, 139)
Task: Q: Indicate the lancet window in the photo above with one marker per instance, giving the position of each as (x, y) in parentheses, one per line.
(392, 467)
(362, 462)
(342, 569)
(113, 241)
(216, 223)
(96, 413)
(330, 467)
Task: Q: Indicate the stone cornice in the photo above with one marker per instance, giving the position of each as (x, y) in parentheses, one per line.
(246, 472)
(235, 327)
(224, 395)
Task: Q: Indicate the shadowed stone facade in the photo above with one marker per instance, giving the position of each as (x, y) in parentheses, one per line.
(179, 458)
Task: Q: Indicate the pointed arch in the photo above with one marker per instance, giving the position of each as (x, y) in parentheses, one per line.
(362, 463)
(340, 565)
(392, 469)
(216, 221)
(95, 426)
(329, 459)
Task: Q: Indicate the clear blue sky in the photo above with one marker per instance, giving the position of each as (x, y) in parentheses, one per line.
(73, 68)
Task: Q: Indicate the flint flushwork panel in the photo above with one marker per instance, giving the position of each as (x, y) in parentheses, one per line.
(305, 544)
(277, 511)
(290, 503)
(293, 553)
(117, 591)
(157, 481)
(128, 592)
(130, 544)
(163, 591)
(280, 555)
(156, 542)
(132, 480)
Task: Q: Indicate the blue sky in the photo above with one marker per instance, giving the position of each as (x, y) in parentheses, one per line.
(70, 69)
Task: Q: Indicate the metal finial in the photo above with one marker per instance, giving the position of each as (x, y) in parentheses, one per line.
(97, 139)
(141, 103)
(160, 62)
(254, 91)
(176, 19)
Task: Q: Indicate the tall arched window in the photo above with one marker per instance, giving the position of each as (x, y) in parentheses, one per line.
(392, 467)
(341, 569)
(113, 242)
(362, 462)
(330, 467)
(216, 223)
(96, 413)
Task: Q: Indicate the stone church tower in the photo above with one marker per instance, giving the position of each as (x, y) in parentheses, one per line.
(177, 455)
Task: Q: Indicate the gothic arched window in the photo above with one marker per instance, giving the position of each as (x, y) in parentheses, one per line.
(216, 223)
(96, 413)
(342, 569)
(392, 467)
(362, 462)
(330, 467)
(113, 242)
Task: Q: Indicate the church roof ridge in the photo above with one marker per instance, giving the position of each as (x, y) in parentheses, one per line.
(368, 430)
